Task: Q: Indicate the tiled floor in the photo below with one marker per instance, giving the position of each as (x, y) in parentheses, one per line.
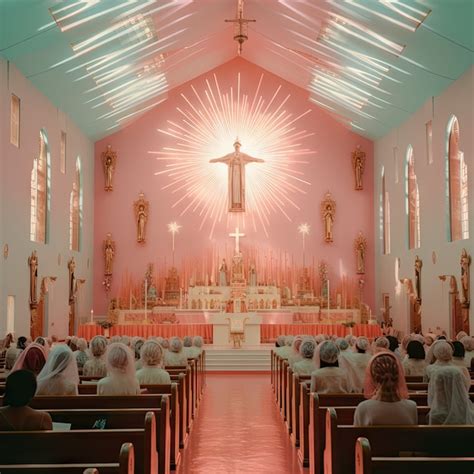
(239, 430)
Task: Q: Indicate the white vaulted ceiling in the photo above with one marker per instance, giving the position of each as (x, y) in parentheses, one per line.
(370, 63)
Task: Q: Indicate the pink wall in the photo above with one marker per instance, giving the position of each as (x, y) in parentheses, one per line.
(329, 168)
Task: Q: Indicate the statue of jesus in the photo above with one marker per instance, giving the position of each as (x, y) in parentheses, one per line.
(236, 162)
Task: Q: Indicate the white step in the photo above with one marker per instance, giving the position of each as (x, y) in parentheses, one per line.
(247, 360)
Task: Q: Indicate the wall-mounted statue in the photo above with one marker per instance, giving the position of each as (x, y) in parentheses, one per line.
(328, 211)
(141, 217)
(418, 266)
(109, 162)
(109, 254)
(71, 266)
(360, 247)
(465, 278)
(358, 163)
(33, 264)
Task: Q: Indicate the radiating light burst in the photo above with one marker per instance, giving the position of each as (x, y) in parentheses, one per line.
(207, 127)
(304, 229)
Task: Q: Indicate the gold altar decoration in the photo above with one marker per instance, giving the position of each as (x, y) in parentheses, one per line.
(241, 26)
(109, 254)
(141, 207)
(33, 264)
(360, 247)
(328, 211)
(465, 278)
(109, 162)
(358, 163)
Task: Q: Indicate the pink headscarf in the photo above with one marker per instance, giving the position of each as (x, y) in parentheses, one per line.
(32, 358)
(371, 386)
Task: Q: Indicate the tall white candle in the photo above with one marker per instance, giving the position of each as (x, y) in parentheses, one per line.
(329, 297)
(92, 315)
(146, 297)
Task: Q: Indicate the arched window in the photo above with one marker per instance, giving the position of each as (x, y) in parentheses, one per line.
(40, 203)
(412, 201)
(385, 216)
(456, 185)
(75, 210)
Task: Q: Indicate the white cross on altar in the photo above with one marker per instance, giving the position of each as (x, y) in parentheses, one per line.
(237, 236)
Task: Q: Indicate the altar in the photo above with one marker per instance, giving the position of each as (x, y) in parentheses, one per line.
(221, 323)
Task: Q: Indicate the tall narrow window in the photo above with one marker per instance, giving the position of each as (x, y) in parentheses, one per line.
(385, 211)
(429, 141)
(456, 185)
(40, 192)
(15, 121)
(75, 210)
(62, 156)
(412, 201)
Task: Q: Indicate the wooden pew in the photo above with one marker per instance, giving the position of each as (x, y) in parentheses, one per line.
(366, 464)
(303, 451)
(92, 448)
(389, 441)
(125, 465)
(296, 381)
(284, 384)
(124, 418)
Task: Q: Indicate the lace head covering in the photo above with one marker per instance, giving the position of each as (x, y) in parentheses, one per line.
(61, 364)
(98, 346)
(381, 344)
(165, 344)
(460, 335)
(151, 354)
(342, 343)
(187, 341)
(32, 358)
(289, 340)
(197, 341)
(428, 341)
(448, 398)
(115, 339)
(326, 353)
(120, 360)
(297, 344)
(81, 344)
(468, 343)
(280, 341)
(176, 345)
(125, 340)
(362, 344)
(307, 348)
(385, 378)
(440, 350)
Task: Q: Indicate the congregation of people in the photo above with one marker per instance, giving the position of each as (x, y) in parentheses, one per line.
(378, 369)
(47, 367)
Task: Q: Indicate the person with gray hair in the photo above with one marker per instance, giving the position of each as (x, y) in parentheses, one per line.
(152, 373)
(95, 367)
(175, 356)
(328, 376)
(306, 366)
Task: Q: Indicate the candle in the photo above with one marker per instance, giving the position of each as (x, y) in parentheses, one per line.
(92, 315)
(329, 297)
(146, 297)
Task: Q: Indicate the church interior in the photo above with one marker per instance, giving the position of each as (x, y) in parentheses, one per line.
(229, 229)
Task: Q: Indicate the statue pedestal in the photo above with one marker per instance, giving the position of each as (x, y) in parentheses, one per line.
(221, 327)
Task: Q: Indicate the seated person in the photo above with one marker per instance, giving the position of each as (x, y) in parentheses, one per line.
(448, 398)
(285, 350)
(306, 366)
(121, 378)
(13, 352)
(387, 394)
(468, 343)
(458, 353)
(32, 358)
(415, 363)
(381, 344)
(81, 354)
(295, 355)
(59, 375)
(16, 415)
(187, 345)
(342, 343)
(151, 371)
(95, 367)
(175, 356)
(196, 349)
(328, 376)
(355, 364)
(137, 344)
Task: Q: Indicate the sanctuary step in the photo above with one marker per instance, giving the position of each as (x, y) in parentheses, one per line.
(246, 359)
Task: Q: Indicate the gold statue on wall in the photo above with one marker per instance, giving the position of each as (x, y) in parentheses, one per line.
(328, 211)
(109, 162)
(141, 217)
(465, 278)
(358, 162)
(71, 266)
(418, 266)
(109, 253)
(360, 247)
(33, 264)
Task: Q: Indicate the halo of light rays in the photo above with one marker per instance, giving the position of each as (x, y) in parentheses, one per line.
(207, 125)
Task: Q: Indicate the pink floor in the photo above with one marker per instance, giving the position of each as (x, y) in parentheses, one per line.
(238, 429)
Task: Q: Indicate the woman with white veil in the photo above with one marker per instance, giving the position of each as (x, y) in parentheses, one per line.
(448, 398)
(59, 375)
(176, 356)
(355, 364)
(328, 376)
(121, 378)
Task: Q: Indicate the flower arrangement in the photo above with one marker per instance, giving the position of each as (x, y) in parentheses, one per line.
(105, 324)
(349, 324)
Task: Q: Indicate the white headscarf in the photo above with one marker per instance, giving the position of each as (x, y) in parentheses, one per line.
(120, 360)
(60, 367)
(448, 398)
(328, 352)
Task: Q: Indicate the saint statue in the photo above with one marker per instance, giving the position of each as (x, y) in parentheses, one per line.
(328, 211)
(141, 217)
(418, 265)
(223, 273)
(109, 160)
(360, 247)
(236, 162)
(237, 270)
(252, 275)
(358, 162)
(109, 253)
(33, 264)
(72, 280)
(465, 278)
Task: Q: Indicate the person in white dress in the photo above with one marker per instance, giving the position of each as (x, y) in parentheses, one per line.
(355, 364)
(415, 364)
(187, 345)
(81, 354)
(307, 365)
(59, 375)
(460, 335)
(448, 398)
(469, 348)
(387, 394)
(121, 378)
(196, 349)
(152, 373)
(295, 355)
(175, 356)
(285, 351)
(328, 376)
(95, 367)
(380, 344)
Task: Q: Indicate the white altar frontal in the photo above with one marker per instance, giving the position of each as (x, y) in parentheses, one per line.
(222, 323)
